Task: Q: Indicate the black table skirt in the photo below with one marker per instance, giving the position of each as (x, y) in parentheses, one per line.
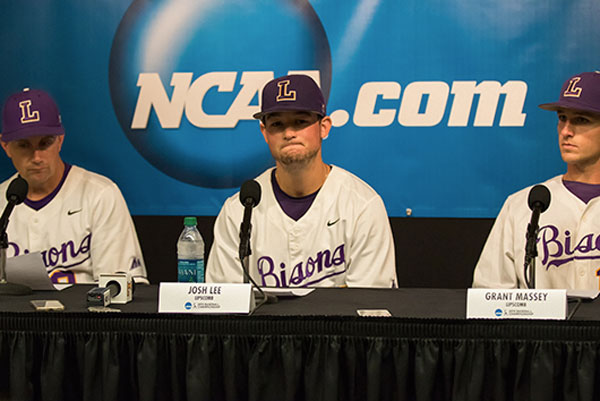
(277, 355)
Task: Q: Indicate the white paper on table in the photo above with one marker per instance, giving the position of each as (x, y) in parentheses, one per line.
(287, 292)
(29, 270)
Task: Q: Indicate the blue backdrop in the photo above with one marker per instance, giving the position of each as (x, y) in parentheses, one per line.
(434, 102)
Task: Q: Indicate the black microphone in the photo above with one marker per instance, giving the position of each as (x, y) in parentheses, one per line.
(250, 193)
(17, 190)
(15, 194)
(249, 197)
(538, 201)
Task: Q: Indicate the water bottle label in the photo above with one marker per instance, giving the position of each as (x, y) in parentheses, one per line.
(190, 270)
(200, 271)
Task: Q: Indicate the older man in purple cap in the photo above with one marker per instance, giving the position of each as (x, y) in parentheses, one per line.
(568, 242)
(316, 225)
(77, 219)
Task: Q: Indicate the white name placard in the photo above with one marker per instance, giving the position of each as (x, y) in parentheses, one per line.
(516, 304)
(205, 298)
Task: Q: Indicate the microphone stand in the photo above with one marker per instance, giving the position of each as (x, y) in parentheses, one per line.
(531, 251)
(7, 288)
(245, 252)
(245, 229)
(15, 194)
(530, 273)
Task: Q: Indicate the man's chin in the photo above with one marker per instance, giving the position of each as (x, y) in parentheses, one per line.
(296, 158)
(35, 180)
(294, 161)
(569, 158)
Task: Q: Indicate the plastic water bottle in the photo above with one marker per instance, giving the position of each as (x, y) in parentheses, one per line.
(190, 253)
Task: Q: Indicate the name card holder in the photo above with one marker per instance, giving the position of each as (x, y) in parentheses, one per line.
(516, 304)
(201, 298)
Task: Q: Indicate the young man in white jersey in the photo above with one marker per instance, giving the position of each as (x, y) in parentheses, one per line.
(77, 219)
(316, 225)
(568, 241)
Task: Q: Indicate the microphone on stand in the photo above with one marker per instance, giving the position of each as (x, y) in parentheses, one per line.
(15, 194)
(250, 197)
(539, 200)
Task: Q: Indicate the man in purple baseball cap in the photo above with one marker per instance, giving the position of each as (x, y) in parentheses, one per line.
(77, 219)
(316, 224)
(31, 118)
(568, 244)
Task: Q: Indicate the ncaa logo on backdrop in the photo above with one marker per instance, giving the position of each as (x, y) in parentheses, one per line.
(185, 78)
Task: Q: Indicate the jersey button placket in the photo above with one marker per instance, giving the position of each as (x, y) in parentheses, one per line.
(582, 274)
(294, 242)
(35, 230)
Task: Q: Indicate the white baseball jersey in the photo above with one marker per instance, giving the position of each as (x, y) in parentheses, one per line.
(568, 243)
(343, 239)
(86, 229)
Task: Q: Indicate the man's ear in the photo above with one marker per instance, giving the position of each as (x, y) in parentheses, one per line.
(263, 130)
(60, 140)
(325, 126)
(5, 147)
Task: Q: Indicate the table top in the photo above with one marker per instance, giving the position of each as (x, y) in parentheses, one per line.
(401, 303)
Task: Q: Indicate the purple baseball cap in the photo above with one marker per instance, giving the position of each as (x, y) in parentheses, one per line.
(31, 112)
(292, 93)
(580, 92)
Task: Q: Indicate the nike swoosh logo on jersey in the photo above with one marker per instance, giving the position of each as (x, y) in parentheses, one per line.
(70, 212)
(330, 223)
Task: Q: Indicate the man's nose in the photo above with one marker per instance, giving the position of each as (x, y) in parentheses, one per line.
(289, 131)
(566, 129)
(37, 155)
